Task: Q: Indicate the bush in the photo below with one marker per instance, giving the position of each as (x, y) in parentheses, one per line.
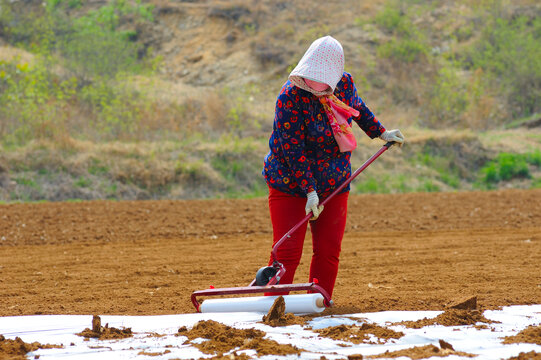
(408, 43)
(509, 53)
(393, 19)
(39, 101)
(32, 102)
(508, 166)
(94, 45)
(408, 50)
(448, 98)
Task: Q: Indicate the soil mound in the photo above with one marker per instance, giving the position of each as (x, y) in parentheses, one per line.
(17, 349)
(451, 317)
(532, 355)
(532, 334)
(223, 338)
(104, 332)
(360, 334)
(421, 352)
(271, 347)
(277, 316)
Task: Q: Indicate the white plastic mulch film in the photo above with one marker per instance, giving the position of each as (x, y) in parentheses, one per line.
(156, 335)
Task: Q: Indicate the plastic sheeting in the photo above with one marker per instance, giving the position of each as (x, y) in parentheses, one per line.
(61, 329)
(296, 304)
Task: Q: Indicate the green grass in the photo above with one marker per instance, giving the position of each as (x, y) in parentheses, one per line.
(82, 182)
(522, 121)
(26, 182)
(428, 186)
(97, 168)
(384, 184)
(444, 166)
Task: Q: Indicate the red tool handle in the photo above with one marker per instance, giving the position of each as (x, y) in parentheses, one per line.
(338, 189)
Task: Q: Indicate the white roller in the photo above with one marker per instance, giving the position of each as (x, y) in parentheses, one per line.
(296, 304)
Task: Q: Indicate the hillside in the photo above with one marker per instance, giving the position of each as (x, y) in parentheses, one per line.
(163, 99)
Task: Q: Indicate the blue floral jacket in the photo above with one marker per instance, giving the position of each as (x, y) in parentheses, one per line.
(304, 155)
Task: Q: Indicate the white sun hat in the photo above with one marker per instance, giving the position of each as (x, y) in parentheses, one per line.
(322, 62)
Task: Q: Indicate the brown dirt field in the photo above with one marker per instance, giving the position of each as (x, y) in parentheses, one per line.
(400, 252)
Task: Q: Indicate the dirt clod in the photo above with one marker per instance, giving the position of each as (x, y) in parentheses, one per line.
(104, 333)
(96, 324)
(445, 345)
(277, 310)
(532, 335)
(532, 355)
(465, 304)
(277, 316)
(360, 334)
(17, 349)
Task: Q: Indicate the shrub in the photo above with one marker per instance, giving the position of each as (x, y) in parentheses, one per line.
(93, 44)
(408, 43)
(448, 98)
(393, 19)
(32, 102)
(407, 50)
(534, 158)
(39, 101)
(509, 53)
(507, 166)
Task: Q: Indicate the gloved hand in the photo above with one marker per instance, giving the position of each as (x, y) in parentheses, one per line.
(312, 203)
(393, 135)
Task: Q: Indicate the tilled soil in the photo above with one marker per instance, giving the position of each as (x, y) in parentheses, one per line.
(400, 252)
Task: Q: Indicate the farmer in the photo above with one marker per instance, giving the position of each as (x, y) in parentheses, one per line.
(310, 150)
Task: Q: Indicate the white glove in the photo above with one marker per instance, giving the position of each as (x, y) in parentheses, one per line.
(393, 135)
(312, 203)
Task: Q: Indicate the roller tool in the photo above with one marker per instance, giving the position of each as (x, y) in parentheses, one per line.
(267, 278)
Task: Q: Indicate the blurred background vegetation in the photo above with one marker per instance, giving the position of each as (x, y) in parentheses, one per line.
(124, 99)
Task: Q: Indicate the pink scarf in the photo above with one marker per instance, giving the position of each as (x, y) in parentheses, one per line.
(338, 113)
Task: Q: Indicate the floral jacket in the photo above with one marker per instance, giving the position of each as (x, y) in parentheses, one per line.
(304, 155)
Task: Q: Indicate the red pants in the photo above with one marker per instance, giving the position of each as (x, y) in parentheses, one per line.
(327, 233)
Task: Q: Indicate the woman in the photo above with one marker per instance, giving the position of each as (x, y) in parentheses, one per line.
(310, 150)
